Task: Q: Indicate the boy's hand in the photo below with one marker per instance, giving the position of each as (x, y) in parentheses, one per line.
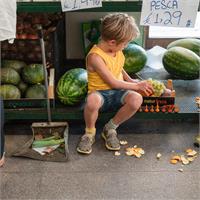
(135, 80)
(144, 88)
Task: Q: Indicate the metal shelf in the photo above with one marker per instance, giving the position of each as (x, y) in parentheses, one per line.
(186, 91)
(56, 7)
(74, 114)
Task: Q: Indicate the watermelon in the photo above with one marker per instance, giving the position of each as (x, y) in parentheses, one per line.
(192, 44)
(15, 64)
(8, 91)
(135, 58)
(9, 76)
(36, 91)
(72, 86)
(33, 73)
(182, 63)
(22, 86)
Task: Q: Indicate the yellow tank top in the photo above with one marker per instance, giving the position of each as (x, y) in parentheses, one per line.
(114, 64)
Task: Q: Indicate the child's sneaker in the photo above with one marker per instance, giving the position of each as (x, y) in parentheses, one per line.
(85, 144)
(111, 140)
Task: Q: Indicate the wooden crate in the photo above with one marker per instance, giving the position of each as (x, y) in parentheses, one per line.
(162, 100)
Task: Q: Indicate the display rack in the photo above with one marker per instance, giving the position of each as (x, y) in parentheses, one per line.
(74, 112)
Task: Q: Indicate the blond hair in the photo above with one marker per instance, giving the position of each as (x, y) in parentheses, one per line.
(120, 27)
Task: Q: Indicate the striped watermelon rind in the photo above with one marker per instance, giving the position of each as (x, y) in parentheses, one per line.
(33, 73)
(9, 91)
(182, 63)
(192, 44)
(37, 91)
(72, 86)
(9, 76)
(135, 58)
(15, 64)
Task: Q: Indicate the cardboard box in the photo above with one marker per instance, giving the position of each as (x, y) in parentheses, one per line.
(162, 100)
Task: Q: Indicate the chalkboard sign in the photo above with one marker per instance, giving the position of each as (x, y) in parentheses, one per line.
(70, 5)
(174, 13)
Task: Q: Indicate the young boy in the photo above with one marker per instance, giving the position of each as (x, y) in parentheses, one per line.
(109, 86)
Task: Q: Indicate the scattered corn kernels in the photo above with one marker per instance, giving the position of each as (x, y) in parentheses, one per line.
(117, 153)
(176, 157)
(180, 170)
(123, 142)
(173, 161)
(184, 160)
(158, 156)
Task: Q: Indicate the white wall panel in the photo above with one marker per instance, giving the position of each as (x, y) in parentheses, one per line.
(74, 44)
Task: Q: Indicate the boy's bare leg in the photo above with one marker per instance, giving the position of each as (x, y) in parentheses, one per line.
(90, 115)
(91, 110)
(132, 102)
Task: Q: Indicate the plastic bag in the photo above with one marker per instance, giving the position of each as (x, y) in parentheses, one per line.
(7, 20)
(154, 57)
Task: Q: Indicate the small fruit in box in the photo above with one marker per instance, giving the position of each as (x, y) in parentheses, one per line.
(161, 95)
(159, 89)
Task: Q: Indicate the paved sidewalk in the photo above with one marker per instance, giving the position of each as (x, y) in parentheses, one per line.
(102, 175)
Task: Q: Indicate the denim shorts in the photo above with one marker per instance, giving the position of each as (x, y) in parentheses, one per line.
(112, 100)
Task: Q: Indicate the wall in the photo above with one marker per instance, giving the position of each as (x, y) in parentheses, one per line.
(74, 44)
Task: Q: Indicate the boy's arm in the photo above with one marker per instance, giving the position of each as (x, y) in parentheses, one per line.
(96, 63)
(127, 78)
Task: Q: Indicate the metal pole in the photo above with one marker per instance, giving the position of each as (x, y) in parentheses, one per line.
(2, 120)
(40, 34)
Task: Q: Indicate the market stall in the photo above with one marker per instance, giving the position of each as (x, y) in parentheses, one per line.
(55, 24)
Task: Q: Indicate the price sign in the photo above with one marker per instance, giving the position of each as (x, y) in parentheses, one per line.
(175, 13)
(70, 5)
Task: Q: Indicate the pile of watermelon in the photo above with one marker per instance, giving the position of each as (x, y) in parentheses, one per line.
(182, 59)
(135, 58)
(72, 86)
(19, 80)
